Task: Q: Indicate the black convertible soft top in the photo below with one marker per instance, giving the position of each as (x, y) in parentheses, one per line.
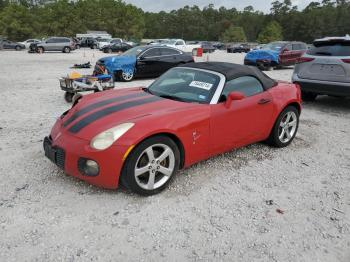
(233, 71)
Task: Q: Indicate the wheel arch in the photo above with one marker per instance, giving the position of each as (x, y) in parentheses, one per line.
(170, 135)
(294, 104)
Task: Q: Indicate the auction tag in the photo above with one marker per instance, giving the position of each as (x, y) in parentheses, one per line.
(201, 85)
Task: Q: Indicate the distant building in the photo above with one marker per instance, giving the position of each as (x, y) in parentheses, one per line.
(94, 34)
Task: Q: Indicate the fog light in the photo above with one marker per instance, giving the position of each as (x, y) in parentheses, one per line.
(88, 167)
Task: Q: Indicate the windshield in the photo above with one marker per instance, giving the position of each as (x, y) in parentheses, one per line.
(134, 51)
(103, 40)
(186, 85)
(169, 42)
(275, 46)
(331, 48)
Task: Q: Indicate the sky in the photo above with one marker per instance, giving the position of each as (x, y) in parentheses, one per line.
(168, 5)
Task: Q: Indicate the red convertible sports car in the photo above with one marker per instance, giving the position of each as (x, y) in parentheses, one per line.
(140, 137)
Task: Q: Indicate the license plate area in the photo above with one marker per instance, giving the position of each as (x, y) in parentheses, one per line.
(328, 69)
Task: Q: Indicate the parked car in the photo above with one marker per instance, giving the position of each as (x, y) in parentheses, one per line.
(142, 61)
(27, 42)
(276, 54)
(63, 44)
(7, 44)
(116, 41)
(219, 45)
(157, 41)
(242, 48)
(119, 47)
(103, 42)
(324, 69)
(87, 42)
(141, 137)
(207, 47)
(181, 45)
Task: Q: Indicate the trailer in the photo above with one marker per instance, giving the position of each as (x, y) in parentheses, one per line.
(76, 83)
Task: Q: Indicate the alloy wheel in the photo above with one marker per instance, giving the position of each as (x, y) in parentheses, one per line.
(127, 76)
(287, 127)
(154, 166)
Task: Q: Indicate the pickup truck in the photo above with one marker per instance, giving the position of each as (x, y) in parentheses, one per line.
(181, 45)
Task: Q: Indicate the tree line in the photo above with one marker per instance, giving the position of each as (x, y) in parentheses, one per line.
(22, 19)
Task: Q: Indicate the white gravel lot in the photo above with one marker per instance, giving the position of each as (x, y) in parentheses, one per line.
(213, 211)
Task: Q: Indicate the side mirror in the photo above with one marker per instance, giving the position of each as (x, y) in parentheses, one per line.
(285, 50)
(233, 96)
(141, 58)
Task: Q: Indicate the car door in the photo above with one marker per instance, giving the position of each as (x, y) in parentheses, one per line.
(246, 121)
(169, 58)
(7, 44)
(286, 55)
(49, 44)
(148, 64)
(298, 51)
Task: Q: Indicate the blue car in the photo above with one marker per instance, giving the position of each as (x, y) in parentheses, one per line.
(276, 54)
(142, 61)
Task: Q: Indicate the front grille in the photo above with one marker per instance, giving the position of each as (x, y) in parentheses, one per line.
(56, 154)
(60, 157)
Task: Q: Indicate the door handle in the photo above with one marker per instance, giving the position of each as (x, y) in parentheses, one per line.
(264, 101)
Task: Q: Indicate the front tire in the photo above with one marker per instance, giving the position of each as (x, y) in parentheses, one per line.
(40, 50)
(285, 128)
(68, 97)
(66, 50)
(308, 96)
(151, 166)
(127, 76)
(18, 48)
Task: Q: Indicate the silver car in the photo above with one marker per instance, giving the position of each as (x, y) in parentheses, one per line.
(324, 69)
(63, 44)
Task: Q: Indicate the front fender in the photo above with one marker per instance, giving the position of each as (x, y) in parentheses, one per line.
(192, 130)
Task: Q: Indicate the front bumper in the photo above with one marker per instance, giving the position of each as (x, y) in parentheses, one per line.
(67, 152)
(322, 87)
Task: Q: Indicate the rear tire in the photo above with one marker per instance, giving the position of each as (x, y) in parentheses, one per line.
(77, 46)
(94, 47)
(308, 96)
(285, 128)
(151, 166)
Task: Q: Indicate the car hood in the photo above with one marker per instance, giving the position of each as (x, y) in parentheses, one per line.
(115, 63)
(263, 54)
(98, 112)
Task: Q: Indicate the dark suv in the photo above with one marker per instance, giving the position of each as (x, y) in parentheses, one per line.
(87, 42)
(63, 44)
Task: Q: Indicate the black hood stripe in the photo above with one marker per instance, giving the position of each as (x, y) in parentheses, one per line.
(91, 107)
(110, 110)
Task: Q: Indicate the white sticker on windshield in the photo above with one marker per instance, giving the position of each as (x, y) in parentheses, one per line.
(201, 85)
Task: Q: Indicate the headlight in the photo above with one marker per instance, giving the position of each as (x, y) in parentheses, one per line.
(108, 137)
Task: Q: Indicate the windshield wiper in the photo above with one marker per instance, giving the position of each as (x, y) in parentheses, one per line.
(146, 89)
(174, 98)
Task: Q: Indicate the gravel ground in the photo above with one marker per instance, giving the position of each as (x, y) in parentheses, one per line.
(217, 210)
